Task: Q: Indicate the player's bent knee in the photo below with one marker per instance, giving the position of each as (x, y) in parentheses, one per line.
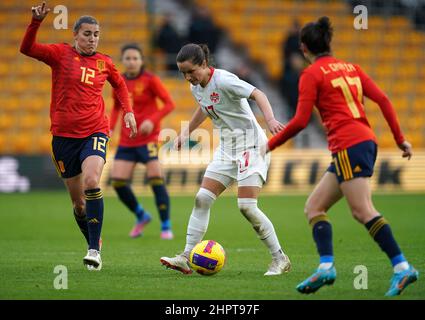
(91, 182)
(248, 208)
(259, 221)
(204, 198)
(363, 216)
(79, 207)
(312, 211)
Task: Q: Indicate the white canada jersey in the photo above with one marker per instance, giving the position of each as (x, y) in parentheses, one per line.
(224, 100)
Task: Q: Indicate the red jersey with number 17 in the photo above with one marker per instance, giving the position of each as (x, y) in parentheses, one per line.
(77, 109)
(337, 88)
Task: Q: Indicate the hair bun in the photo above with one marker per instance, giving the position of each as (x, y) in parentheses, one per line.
(324, 23)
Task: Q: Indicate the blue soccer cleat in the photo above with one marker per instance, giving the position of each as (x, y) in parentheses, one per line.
(317, 280)
(401, 280)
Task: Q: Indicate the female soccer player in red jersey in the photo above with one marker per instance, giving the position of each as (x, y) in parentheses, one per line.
(144, 89)
(336, 88)
(79, 125)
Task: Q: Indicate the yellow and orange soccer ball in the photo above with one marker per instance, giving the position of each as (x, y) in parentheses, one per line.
(207, 257)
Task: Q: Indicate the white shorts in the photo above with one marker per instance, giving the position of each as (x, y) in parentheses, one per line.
(247, 167)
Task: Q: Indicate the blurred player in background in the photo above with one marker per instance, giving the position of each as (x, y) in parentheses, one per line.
(79, 125)
(222, 96)
(144, 88)
(336, 88)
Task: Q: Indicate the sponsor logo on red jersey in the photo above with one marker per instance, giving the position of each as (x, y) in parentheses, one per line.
(100, 64)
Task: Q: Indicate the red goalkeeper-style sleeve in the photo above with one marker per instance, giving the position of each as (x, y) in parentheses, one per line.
(48, 53)
(164, 96)
(306, 99)
(373, 92)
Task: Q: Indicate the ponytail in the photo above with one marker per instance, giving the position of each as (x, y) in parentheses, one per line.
(195, 53)
(317, 36)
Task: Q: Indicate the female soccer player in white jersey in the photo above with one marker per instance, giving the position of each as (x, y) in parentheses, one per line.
(222, 96)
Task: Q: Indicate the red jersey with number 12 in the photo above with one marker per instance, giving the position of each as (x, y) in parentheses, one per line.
(77, 109)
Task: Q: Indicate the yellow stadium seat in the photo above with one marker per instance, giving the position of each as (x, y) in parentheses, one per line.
(28, 121)
(11, 104)
(419, 106)
(386, 140)
(401, 104)
(7, 121)
(21, 142)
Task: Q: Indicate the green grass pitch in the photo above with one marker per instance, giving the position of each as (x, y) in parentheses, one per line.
(38, 232)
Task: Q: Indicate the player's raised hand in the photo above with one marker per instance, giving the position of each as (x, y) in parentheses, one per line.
(146, 127)
(275, 126)
(406, 147)
(40, 12)
(130, 122)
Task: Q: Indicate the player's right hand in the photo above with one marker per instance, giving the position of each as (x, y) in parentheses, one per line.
(40, 12)
(275, 126)
(406, 147)
(130, 122)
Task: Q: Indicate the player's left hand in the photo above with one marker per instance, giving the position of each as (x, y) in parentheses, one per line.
(406, 147)
(130, 122)
(146, 127)
(275, 126)
(40, 12)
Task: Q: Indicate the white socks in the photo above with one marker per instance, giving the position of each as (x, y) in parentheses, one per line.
(261, 224)
(198, 222)
(199, 219)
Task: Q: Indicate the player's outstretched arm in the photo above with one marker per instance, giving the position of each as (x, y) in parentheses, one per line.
(297, 123)
(48, 53)
(373, 92)
(40, 12)
(265, 107)
(197, 118)
(306, 99)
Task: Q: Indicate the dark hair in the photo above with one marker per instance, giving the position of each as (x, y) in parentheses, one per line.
(84, 19)
(317, 36)
(195, 53)
(133, 46)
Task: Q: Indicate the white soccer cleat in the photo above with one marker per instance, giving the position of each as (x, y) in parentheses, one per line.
(92, 260)
(279, 266)
(179, 263)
